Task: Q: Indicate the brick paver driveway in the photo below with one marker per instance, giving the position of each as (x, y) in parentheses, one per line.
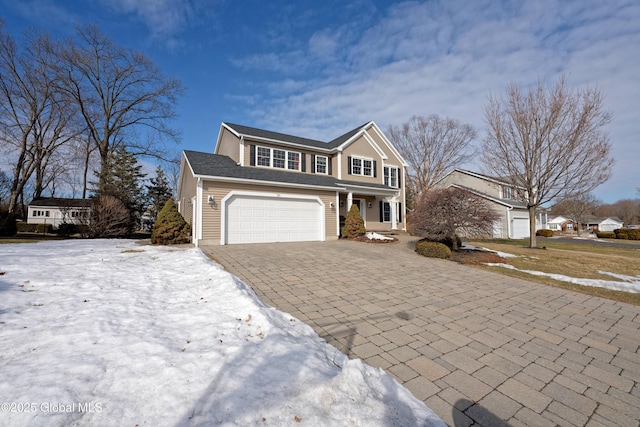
(473, 345)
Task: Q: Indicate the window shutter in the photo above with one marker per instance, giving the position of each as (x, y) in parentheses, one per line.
(399, 185)
(375, 169)
(313, 163)
(349, 165)
(399, 212)
(329, 161)
(381, 211)
(252, 155)
(303, 163)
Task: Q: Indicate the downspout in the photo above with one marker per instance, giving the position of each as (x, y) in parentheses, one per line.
(198, 208)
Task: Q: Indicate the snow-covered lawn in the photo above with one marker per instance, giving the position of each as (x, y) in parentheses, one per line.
(112, 333)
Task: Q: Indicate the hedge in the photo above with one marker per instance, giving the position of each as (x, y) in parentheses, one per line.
(627, 233)
(432, 249)
(606, 234)
(544, 233)
(24, 227)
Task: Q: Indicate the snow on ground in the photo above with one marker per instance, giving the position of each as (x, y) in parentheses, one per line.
(628, 284)
(376, 236)
(111, 333)
(475, 248)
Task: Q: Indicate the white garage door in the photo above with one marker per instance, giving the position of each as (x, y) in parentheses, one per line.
(520, 228)
(253, 219)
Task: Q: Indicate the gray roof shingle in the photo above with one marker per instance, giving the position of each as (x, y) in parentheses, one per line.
(217, 165)
(276, 136)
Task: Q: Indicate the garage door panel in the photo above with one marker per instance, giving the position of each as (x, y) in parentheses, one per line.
(257, 219)
(520, 228)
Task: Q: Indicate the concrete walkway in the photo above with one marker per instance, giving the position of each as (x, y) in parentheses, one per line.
(478, 348)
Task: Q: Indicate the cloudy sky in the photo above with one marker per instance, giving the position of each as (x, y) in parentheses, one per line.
(320, 68)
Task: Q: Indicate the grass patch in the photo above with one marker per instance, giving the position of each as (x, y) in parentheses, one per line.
(570, 259)
(126, 251)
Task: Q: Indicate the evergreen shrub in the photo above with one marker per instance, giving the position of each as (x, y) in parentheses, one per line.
(630, 233)
(432, 249)
(170, 228)
(354, 224)
(544, 233)
(606, 235)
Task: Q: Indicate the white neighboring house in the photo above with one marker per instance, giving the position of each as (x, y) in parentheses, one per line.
(560, 223)
(604, 224)
(56, 211)
(514, 215)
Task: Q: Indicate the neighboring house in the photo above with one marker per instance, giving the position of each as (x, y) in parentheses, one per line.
(56, 211)
(263, 186)
(514, 215)
(561, 223)
(594, 224)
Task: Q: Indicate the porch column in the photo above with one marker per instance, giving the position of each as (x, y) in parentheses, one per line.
(393, 205)
(349, 201)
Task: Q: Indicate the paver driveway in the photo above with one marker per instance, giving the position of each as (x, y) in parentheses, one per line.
(476, 347)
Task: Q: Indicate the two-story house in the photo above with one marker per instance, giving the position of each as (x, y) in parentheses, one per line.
(263, 186)
(514, 215)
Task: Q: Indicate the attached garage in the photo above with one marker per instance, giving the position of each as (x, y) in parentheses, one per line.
(255, 218)
(520, 228)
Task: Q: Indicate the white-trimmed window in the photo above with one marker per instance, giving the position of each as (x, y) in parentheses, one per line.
(391, 175)
(263, 156)
(275, 158)
(279, 157)
(508, 193)
(385, 212)
(41, 213)
(321, 164)
(361, 166)
(293, 160)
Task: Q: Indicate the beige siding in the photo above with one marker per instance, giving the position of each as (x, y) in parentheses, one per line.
(211, 213)
(188, 185)
(305, 153)
(229, 145)
(361, 148)
(469, 181)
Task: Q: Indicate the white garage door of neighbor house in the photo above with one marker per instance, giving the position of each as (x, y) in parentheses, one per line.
(520, 228)
(254, 219)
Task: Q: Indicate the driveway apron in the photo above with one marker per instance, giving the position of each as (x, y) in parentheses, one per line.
(477, 347)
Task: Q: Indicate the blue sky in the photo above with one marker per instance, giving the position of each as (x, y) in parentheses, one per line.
(320, 68)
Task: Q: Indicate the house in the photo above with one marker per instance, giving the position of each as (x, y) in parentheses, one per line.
(56, 211)
(514, 215)
(264, 186)
(594, 224)
(561, 223)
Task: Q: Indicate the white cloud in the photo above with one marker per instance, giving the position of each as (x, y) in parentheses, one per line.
(446, 57)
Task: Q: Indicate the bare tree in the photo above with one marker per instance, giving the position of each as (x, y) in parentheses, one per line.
(109, 217)
(121, 93)
(628, 210)
(432, 146)
(443, 213)
(547, 141)
(577, 207)
(35, 121)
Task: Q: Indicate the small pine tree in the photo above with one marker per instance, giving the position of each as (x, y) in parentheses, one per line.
(354, 224)
(158, 192)
(170, 228)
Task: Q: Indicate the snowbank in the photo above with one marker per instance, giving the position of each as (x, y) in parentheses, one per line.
(112, 333)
